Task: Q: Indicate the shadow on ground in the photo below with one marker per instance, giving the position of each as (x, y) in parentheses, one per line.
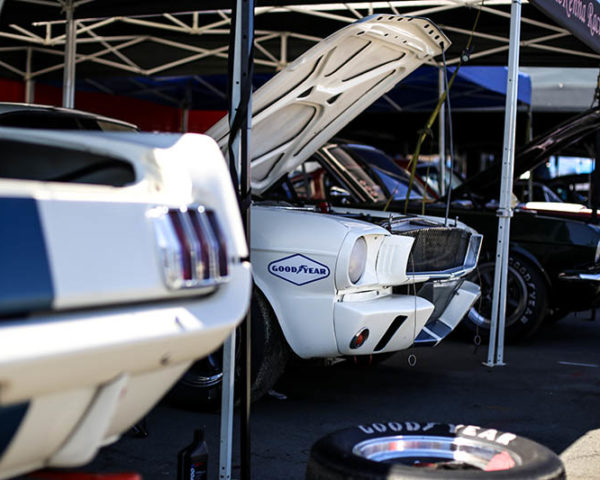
(549, 391)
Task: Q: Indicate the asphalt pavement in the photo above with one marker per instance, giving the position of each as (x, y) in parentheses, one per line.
(549, 391)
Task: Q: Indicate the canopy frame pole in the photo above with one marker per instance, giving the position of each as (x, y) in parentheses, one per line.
(29, 82)
(505, 212)
(70, 47)
(227, 395)
(240, 122)
(442, 135)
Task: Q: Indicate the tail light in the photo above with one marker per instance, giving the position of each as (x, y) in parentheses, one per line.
(192, 246)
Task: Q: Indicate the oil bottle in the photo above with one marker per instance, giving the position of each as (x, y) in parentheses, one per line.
(192, 461)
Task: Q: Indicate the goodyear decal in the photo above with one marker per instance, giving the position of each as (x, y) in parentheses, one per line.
(298, 269)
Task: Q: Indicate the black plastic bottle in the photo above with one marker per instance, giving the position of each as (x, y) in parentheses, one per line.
(192, 461)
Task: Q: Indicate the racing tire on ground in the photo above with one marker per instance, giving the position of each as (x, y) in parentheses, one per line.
(200, 386)
(526, 301)
(421, 450)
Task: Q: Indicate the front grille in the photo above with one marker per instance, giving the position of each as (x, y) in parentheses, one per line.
(437, 249)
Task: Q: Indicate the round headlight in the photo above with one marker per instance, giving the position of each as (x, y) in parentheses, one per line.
(358, 260)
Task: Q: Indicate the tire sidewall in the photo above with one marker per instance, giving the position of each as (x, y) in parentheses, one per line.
(332, 457)
(269, 358)
(535, 303)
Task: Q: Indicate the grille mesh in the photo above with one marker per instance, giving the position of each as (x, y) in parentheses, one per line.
(437, 249)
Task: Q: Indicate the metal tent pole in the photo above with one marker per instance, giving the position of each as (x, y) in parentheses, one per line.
(227, 390)
(29, 83)
(496, 346)
(70, 45)
(240, 115)
(442, 135)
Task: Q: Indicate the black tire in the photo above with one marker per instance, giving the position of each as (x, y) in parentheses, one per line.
(200, 386)
(413, 450)
(526, 302)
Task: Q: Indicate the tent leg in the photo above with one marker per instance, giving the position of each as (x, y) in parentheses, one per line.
(70, 45)
(442, 135)
(240, 115)
(496, 346)
(29, 82)
(246, 20)
(226, 432)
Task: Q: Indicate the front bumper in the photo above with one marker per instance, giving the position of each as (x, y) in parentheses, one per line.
(393, 323)
(452, 301)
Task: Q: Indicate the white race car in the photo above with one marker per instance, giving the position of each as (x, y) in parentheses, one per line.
(325, 281)
(123, 259)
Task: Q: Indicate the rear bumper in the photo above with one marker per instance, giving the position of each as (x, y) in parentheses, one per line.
(462, 297)
(109, 366)
(393, 323)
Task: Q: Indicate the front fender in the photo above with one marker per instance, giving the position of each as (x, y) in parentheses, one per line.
(294, 255)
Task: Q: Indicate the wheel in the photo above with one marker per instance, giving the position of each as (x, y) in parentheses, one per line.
(200, 386)
(526, 300)
(412, 450)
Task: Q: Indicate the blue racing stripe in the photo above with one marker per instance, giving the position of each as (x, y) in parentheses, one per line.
(25, 281)
(10, 419)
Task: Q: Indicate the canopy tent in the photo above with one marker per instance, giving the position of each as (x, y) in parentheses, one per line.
(138, 38)
(116, 49)
(475, 88)
(562, 90)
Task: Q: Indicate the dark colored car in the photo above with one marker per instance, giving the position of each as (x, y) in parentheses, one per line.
(573, 188)
(539, 192)
(554, 264)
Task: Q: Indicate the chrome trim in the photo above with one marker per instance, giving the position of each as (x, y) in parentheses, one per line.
(586, 277)
(592, 277)
(171, 251)
(195, 247)
(213, 251)
(468, 451)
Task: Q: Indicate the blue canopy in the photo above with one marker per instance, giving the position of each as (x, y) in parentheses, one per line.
(475, 88)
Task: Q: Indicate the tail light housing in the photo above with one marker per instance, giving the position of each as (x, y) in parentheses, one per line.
(193, 248)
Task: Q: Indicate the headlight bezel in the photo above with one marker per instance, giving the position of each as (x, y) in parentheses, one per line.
(373, 238)
(357, 262)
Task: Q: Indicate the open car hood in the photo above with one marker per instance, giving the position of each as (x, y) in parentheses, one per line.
(319, 93)
(487, 182)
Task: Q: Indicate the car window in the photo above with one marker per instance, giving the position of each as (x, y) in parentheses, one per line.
(395, 179)
(430, 174)
(359, 175)
(30, 161)
(311, 181)
(307, 181)
(51, 120)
